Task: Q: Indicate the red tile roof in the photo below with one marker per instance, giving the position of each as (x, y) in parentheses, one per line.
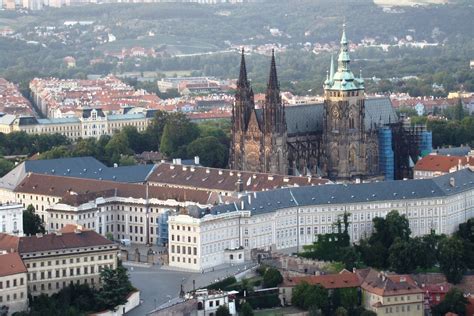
(78, 190)
(224, 179)
(11, 264)
(442, 163)
(9, 242)
(387, 285)
(50, 242)
(328, 281)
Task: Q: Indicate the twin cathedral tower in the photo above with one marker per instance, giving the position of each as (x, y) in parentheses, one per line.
(330, 139)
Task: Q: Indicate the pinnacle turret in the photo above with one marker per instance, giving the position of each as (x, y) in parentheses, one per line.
(274, 115)
(273, 78)
(243, 80)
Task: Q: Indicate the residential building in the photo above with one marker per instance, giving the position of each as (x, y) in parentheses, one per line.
(435, 293)
(12, 101)
(89, 123)
(59, 98)
(436, 165)
(342, 280)
(56, 260)
(387, 294)
(201, 302)
(13, 290)
(124, 210)
(11, 219)
(285, 219)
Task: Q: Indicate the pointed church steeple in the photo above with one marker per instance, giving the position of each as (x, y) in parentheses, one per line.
(343, 78)
(344, 59)
(274, 115)
(244, 98)
(243, 80)
(273, 78)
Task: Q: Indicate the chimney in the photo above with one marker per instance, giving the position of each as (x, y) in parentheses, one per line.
(77, 231)
(39, 235)
(196, 160)
(115, 165)
(178, 161)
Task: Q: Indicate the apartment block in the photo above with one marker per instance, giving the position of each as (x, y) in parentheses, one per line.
(13, 290)
(54, 261)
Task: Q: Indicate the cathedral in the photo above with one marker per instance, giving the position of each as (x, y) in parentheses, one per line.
(347, 137)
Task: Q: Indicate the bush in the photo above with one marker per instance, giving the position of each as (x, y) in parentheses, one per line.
(272, 278)
(261, 270)
(222, 284)
(264, 301)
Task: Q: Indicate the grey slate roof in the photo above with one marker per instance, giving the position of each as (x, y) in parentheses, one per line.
(77, 167)
(270, 201)
(453, 151)
(308, 119)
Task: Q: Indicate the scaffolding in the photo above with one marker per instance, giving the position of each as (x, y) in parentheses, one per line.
(426, 143)
(386, 155)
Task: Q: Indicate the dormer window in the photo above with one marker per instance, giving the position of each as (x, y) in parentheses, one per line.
(94, 115)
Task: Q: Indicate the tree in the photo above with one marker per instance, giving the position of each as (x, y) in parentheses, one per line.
(402, 258)
(316, 296)
(138, 141)
(32, 223)
(451, 258)
(368, 313)
(341, 311)
(466, 234)
(178, 132)
(115, 287)
(310, 296)
(272, 278)
(5, 166)
(349, 298)
(246, 310)
(127, 161)
(154, 131)
(333, 246)
(116, 147)
(454, 302)
(210, 151)
(459, 112)
(375, 251)
(223, 311)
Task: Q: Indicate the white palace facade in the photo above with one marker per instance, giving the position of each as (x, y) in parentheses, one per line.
(284, 220)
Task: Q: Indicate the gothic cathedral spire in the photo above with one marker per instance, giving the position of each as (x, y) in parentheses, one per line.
(244, 98)
(274, 113)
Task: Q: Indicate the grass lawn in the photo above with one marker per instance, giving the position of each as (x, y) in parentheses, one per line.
(277, 311)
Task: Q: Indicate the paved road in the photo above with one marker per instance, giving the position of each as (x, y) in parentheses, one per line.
(160, 285)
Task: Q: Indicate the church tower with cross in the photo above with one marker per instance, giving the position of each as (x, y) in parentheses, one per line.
(345, 139)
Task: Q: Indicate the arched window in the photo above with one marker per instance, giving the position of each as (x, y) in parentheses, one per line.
(352, 156)
(351, 121)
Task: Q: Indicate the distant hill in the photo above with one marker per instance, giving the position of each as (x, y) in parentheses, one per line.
(386, 3)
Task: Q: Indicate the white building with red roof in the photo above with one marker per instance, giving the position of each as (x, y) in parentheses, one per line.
(13, 284)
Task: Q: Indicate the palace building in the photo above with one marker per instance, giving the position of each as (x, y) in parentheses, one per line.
(347, 137)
